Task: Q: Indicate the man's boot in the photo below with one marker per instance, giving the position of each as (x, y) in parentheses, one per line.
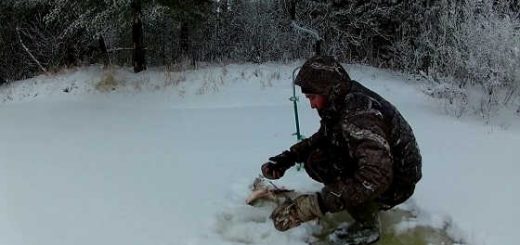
(365, 230)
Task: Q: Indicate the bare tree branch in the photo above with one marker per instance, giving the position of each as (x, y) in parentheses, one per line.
(313, 33)
(124, 49)
(28, 51)
(119, 49)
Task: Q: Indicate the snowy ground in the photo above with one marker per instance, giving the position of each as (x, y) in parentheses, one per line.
(167, 157)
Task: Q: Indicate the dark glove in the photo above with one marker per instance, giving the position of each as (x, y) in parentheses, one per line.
(294, 212)
(277, 165)
(331, 198)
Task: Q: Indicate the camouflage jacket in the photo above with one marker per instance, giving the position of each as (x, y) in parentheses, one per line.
(371, 149)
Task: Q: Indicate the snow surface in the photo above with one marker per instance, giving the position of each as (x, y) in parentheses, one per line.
(167, 157)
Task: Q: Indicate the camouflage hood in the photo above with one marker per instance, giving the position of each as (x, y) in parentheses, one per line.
(319, 74)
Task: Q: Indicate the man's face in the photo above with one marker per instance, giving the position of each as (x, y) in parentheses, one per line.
(317, 101)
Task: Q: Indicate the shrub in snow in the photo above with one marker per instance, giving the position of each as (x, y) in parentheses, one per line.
(107, 83)
(455, 99)
(173, 76)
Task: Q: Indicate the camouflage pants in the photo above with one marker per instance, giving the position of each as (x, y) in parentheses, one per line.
(319, 168)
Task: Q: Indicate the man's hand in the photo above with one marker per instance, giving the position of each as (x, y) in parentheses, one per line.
(271, 170)
(277, 165)
(294, 212)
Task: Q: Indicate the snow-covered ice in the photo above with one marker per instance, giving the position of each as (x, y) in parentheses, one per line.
(167, 157)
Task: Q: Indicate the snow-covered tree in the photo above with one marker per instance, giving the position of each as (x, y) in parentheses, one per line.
(469, 44)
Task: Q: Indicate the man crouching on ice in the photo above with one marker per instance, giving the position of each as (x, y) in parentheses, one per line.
(364, 153)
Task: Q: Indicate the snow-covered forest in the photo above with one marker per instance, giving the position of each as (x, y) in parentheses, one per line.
(462, 46)
(146, 121)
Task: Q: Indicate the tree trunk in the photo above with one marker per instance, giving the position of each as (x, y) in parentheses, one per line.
(104, 51)
(137, 38)
(292, 9)
(184, 36)
(187, 50)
